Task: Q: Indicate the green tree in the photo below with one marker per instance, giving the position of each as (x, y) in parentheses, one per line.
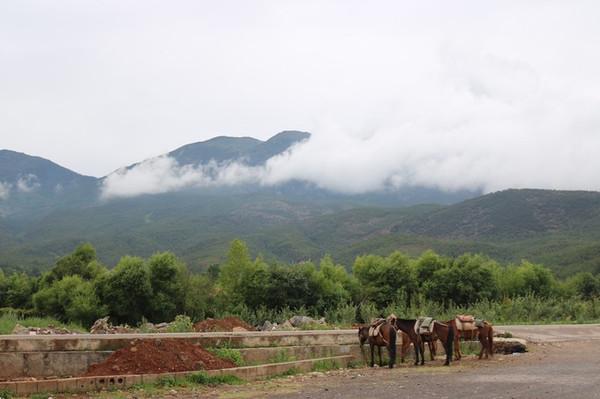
(71, 299)
(385, 280)
(199, 298)
(167, 280)
(18, 289)
(466, 281)
(428, 263)
(81, 262)
(234, 271)
(127, 291)
(587, 285)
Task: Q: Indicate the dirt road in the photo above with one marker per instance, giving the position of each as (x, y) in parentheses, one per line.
(563, 363)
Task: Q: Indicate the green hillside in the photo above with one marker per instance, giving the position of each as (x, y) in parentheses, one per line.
(557, 228)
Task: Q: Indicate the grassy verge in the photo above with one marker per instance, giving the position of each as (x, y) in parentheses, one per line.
(8, 322)
(231, 354)
(326, 365)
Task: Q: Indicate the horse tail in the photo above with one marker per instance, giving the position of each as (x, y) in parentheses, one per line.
(450, 341)
(392, 345)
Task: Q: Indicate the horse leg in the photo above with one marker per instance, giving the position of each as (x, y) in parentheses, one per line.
(380, 359)
(457, 353)
(422, 350)
(372, 354)
(362, 352)
(483, 343)
(416, 346)
(432, 353)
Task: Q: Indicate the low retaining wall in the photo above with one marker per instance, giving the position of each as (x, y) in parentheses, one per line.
(43, 356)
(86, 384)
(111, 342)
(66, 356)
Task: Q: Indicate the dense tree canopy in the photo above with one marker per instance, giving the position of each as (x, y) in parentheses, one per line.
(79, 289)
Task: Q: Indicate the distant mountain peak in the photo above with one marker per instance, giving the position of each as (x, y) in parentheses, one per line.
(244, 149)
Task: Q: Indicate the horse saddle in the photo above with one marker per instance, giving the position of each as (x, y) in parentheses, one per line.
(424, 325)
(375, 327)
(465, 322)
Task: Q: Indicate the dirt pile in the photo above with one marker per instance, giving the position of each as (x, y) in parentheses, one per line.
(222, 325)
(158, 356)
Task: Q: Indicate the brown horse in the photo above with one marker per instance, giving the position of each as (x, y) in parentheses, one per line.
(445, 333)
(466, 335)
(440, 331)
(386, 337)
(485, 334)
(486, 338)
(405, 345)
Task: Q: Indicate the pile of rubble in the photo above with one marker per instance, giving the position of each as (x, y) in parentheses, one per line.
(103, 326)
(50, 330)
(222, 325)
(294, 323)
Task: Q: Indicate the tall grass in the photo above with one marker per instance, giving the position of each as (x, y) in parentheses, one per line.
(528, 309)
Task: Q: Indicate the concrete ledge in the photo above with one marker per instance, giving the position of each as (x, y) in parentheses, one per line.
(111, 342)
(87, 384)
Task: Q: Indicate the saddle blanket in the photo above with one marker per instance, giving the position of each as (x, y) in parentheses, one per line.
(375, 327)
(465, 323)
(424, 325)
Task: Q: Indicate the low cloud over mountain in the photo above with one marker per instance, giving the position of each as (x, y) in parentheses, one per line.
(484, 123)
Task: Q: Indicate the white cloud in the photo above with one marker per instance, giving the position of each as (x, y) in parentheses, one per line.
(163, 174)
(479, 122)
(452, 94)
(28, 183)
(4, 190)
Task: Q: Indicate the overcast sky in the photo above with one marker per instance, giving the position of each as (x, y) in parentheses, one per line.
(452, 94)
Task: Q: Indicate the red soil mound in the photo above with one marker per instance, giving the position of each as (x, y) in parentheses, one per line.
(158, 356)
(222, 325)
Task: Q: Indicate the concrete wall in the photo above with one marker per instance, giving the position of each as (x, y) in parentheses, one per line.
(111, 342)
(71, 355)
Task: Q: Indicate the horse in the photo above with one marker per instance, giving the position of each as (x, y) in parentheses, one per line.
(386, 337)
(439, 331)
(405, 345)
(467, 335)
(407, 326)
(486, 338)
(485, 335)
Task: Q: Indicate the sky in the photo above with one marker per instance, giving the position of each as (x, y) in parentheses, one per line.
(461, 94)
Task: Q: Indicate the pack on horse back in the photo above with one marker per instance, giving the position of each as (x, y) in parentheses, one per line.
(381, 332)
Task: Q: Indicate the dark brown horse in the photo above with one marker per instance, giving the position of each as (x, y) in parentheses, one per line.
(386, 337)
(486, 338)
(440, 330)
(408, 327)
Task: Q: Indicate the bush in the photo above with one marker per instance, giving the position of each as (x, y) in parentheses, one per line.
(181, 323)
(231, 354)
